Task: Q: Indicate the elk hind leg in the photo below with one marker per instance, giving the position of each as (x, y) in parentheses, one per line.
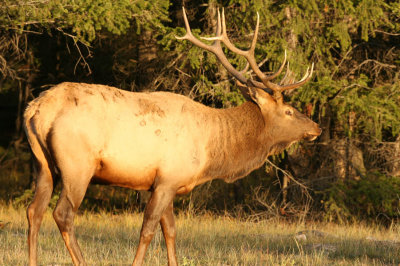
(35, 211)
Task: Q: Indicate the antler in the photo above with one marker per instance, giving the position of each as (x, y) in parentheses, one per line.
(215, 48)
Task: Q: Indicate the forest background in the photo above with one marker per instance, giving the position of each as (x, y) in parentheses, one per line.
(351, 172)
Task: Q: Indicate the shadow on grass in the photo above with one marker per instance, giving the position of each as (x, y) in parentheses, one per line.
(111, 243)
(334, 249)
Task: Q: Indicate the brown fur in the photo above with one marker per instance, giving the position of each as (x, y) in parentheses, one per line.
(236, 152)
(149, 107)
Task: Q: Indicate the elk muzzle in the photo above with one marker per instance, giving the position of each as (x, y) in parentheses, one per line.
(310, 136)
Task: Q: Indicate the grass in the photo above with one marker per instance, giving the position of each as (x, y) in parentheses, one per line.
(108, 239)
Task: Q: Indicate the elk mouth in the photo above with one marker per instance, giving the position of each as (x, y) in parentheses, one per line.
(312, 136)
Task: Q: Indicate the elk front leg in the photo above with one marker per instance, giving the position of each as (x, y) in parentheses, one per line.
(64, 214)
(168, 228)
(160, 200)
(75, 182)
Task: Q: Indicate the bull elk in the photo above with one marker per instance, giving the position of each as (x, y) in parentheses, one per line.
(161, 142)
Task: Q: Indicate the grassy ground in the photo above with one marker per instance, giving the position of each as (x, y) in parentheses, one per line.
(108, 239)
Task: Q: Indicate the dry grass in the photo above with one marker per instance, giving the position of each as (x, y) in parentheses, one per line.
(108, 239)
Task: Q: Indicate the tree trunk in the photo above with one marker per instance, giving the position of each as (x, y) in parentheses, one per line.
(349, 161)
(291, 38)
(395, 171)
(147, 52)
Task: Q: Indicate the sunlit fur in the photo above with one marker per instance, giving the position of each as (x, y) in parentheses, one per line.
(156, 141)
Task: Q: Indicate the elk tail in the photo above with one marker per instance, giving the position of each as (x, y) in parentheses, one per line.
(36, 132)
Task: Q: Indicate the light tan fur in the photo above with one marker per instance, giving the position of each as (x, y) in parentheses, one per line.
(156, 141)
(130, 138)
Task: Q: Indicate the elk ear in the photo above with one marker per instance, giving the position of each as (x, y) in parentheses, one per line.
(251, 93)
(260, 97)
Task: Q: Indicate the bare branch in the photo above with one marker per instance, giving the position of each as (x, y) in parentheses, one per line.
(387, 33)
(81, 56)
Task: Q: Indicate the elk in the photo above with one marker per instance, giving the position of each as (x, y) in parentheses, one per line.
(159, 141)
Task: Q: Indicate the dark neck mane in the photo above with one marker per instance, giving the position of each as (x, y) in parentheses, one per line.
(238, 144)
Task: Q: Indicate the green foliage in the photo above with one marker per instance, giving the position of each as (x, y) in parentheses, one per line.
(372, 196)
(85, 18)
(371, 14)
(26, 198)
(377, 109)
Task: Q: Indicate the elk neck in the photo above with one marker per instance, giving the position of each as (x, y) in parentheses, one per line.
(238, 142)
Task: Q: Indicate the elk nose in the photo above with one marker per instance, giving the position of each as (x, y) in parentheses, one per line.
(316, 130)
(314, 134)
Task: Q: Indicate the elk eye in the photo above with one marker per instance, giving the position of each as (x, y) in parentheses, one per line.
(289, 112)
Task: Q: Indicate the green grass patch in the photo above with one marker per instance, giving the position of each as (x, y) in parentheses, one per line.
(109, 239)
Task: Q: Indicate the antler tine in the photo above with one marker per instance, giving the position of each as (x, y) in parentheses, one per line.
(224, 38)
(187, 26)
(219, 26)
(287, 72)
(307, 76)
(245, 69)
(249, 54)
(223, 22)
(215, 48)
(255, 36)
(277, 73)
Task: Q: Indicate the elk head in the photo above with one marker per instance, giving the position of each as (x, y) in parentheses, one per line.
(279, 116)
